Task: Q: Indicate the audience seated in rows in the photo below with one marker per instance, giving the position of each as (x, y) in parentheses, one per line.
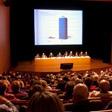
(89, 88)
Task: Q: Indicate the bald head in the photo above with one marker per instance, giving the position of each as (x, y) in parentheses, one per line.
(80, 92)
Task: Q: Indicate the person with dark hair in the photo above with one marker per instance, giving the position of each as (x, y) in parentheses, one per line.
(88, 82)
(61, 84)
(45, 102)
(69, 90)
(35, 88)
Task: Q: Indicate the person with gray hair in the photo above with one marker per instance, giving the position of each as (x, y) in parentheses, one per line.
(80, 93)
(80, 99)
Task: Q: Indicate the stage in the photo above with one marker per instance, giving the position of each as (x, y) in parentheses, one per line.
(53, 64)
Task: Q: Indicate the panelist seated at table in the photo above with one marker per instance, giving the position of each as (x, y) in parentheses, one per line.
(71, 54)
(44, 55)
(51, 55)
(65, 54)
(76, 54)
(86, 53)
(37, 56)
(81, 54)
(59, 54)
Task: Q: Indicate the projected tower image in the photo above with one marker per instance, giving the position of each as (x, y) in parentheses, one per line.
(63, 28)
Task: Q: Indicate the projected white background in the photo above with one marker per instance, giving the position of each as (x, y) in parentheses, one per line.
(46, 27)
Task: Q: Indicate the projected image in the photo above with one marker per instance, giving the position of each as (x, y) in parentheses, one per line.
(58, 27)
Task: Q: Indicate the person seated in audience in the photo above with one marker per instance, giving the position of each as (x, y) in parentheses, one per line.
(88, 82)
(3, 91)
(61, 84)
(77, 81)
(34, 89)
(22, 85)
(45, 85)
(80, 93)
(68, 90)
(6, 105)
(45, 102)
(16, 90)
(95, 83)
(104, 92)
(6, 81)
(86, 74)
(80, 99)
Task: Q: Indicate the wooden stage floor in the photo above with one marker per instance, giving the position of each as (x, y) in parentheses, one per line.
(30, 66)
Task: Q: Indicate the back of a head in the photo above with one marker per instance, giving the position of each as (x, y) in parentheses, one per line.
(69, 89)
(3, 87)
(104, 86)
(77, 81)
(45, 102)
(43, 83)
(15, 86)
(88, 81)
(95, 77)
(34, 89)
(80, 92)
